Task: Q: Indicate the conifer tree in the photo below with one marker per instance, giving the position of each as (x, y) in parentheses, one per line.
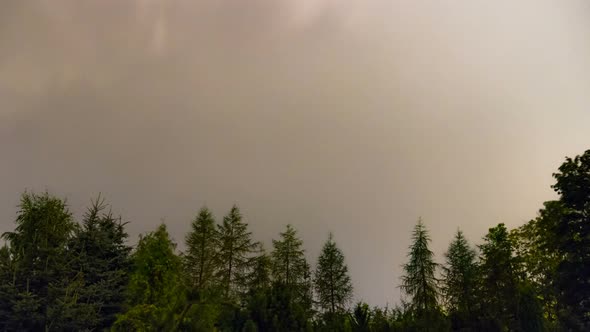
(332, 281)
(292, 279)
(260, 276)
(100, 254)
(41, 264)
(200, 258)
(236, 249)
(460, 280)
(259, 292)
(419, 282)
(7, 287)
(361, 317)
(288, 258)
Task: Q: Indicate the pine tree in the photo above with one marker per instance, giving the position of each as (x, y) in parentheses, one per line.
(201, 254)
(332, 282)
(235, 253)
(460, 279)
(419, 281)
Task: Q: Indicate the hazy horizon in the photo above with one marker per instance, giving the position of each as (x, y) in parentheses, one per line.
(343, 116)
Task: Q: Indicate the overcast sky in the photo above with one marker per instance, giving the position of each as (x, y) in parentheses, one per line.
(355, 117)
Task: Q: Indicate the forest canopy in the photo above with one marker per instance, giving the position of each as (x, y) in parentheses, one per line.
(62, 274)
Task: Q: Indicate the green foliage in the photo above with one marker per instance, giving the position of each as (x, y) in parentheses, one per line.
(7, 287)
(288, 258)
(530, 315)
(332, 282)
(499, 279)
(277, 309)
(509, 301)
(142, 317)
(419, 281)
(200, 262)
(43, 227)
(381, 320)
(200, 317)
(236, 249)
(361, 317)
(279, 296)
(260, 276)
(156, 288)
(290, 270)
(58, 275)
(42, 279)
(572, 239)
(102, 264)
(460, 281)
(200, 259)
(535, 247)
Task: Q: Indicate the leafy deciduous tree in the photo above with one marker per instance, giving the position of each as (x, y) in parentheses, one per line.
(535, 247)
(155, 291)
(573, 239)
(508, 300)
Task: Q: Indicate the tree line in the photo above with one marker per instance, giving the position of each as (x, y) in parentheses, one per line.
(57, 274)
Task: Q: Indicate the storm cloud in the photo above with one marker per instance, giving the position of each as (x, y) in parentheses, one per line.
(355, 117)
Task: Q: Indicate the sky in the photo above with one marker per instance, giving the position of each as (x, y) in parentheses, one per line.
(351, 117)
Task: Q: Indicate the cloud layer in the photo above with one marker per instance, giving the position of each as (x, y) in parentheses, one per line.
(344, 116)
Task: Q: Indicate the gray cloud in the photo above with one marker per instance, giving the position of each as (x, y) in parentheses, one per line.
(335, 116)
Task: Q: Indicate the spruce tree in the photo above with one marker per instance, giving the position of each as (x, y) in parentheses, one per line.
(460, 279)
(236, 249)
(332, 281)
(200, 258)
(100, 253)
(419, 281)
